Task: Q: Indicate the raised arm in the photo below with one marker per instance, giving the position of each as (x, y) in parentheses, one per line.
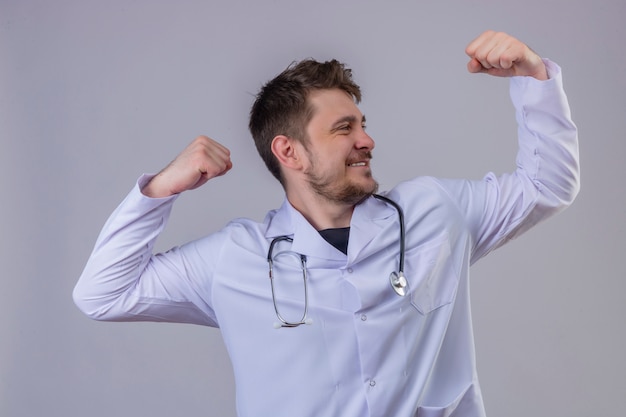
(547, 176)
(123, 280)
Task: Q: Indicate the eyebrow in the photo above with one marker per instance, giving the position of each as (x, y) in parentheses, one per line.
(350, 119)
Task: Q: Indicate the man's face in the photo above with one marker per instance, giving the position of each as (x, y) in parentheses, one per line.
(338, 149)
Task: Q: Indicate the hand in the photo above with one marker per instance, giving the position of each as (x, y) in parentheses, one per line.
(501, 55)
(202, 160)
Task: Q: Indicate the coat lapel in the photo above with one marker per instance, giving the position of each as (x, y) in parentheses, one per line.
(368, 220)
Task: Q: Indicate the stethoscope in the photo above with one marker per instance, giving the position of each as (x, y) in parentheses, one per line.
(397, 279)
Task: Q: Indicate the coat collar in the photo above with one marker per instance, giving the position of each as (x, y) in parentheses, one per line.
(369, 217)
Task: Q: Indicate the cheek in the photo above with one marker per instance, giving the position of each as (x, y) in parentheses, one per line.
(328, 162)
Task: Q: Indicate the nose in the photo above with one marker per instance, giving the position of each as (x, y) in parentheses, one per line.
(364, 141)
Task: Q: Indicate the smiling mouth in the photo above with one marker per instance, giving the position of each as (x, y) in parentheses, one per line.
(361, 159)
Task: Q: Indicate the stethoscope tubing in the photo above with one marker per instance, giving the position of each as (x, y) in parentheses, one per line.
(402, 231)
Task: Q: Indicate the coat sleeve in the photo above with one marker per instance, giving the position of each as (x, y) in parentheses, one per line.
(124, 281)
(546, 178)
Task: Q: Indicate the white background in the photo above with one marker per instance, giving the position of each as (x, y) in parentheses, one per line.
(94, 93)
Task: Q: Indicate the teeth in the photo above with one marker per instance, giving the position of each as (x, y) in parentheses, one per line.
(358, 164)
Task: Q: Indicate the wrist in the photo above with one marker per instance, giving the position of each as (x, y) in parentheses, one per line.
(153, 189)
(542, 74)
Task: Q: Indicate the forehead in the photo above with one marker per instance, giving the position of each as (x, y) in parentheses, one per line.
(331, 104)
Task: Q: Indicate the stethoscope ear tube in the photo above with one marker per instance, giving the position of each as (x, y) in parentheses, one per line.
(282, 321)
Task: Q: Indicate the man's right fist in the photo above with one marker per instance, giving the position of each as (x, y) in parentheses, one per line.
(202, 160)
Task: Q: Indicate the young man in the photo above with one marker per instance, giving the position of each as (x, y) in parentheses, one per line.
(366, 312)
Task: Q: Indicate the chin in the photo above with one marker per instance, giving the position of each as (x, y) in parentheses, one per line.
(346, 192)
(354, 194)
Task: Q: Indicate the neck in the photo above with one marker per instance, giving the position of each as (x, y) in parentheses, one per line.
(320, 212)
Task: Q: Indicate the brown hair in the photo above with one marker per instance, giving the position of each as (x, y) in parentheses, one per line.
(282, 107)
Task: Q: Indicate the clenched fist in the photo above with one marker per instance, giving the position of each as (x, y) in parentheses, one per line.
(202, 160)
(501, 55)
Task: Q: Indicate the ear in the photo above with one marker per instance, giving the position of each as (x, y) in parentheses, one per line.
(287, 152)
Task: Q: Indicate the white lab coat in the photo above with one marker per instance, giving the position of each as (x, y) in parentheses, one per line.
(368, 352)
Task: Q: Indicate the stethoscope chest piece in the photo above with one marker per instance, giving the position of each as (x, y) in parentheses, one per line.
(398, 283)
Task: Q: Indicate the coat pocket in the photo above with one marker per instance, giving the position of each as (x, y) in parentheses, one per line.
(430, 273)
